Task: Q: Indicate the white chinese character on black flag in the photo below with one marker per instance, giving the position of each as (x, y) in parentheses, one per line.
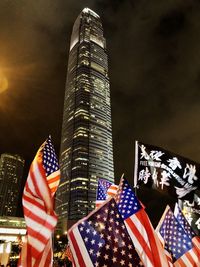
(191, 211)
(166, 171)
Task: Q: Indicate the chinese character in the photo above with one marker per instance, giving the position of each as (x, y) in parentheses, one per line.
(144, 175)
(164, 179)
(155, 177)
(174, 163)
(144, 154)
(156, 155)
(189, 172)
(197, 223)
(198, 201)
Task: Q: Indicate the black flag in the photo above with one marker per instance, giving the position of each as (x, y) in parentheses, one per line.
(165, 171)
(191, 210)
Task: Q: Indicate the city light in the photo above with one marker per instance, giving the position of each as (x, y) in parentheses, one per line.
(8, 248)
(12, 231)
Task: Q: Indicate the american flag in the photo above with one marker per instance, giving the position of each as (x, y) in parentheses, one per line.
(51, 166)
(139, 227)
(105, 189)
(38, 205)
(177, 241)
(183, 222)
(101, 240)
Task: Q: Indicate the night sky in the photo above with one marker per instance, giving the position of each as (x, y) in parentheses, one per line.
(154, 68)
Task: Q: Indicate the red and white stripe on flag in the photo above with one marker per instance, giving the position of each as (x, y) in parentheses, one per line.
(139, 227)
(112, 190)
(80, 254)
(39, 212)
(53, 181)
(146, 241)
(46, 258)
(168, 255)
(105, 190)
(192, 257)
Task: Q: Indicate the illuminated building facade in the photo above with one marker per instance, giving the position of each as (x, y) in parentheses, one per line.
(11, 171)
(86, 142)
(12, 229)
(12, 233)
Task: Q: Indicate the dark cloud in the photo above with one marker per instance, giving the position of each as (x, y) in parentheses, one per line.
(171, 24)
(154, 77)
(154, 67)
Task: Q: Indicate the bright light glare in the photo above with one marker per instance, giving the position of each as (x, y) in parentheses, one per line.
(3, 82)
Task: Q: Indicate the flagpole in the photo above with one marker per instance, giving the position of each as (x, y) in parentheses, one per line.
(135, 170)
(53, 234)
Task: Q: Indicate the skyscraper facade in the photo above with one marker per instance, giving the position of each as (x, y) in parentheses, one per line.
(11, 171)
(86, 142)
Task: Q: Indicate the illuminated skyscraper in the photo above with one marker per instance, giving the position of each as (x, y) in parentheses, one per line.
(86, 142)
(11, 171)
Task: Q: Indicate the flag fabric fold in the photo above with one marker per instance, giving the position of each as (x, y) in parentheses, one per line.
(183, 222)
(165, 171)
(101, 239)
(183, 248)
(139, 227)
(105, 189)
(38, 205)
(112, 190)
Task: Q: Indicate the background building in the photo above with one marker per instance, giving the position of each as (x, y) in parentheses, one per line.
(12, 229)
(11, 171)
(86, 143)
(12, 233)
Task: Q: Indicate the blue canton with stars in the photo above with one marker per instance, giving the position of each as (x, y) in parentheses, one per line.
(177, 242)
(102, 189)
(127, 202)
(184, 223)
(106, 238)
(50, 161)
